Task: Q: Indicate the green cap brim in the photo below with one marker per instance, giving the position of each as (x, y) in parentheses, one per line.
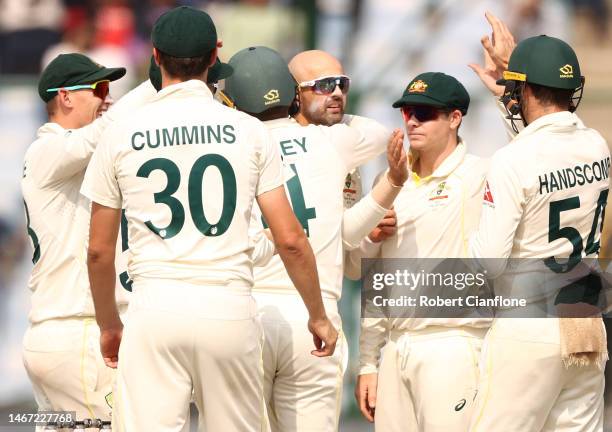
(111, 74)
(417, 99)
(218, 72)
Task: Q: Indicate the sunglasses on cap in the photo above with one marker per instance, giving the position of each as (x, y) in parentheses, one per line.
(327, 85)
(422, 113)
(100, 88)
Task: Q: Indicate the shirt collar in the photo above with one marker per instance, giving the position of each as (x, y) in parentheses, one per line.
(448, 165)
(185, 88)
(561, 120)
(50, 128)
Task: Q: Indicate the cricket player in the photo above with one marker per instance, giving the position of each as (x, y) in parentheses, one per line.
(323, 91)
(187, 170)
(146, 91)
(60, 348)
(546, 192)
(428, 375)
(303, 393)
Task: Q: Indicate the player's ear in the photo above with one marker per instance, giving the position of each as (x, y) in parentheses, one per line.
(213, 57)
(64, 100)
(455, 118)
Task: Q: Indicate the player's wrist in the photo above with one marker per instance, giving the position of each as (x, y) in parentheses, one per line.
(395, 181)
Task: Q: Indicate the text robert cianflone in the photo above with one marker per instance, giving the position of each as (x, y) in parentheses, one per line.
(412, 280)
(437, 301)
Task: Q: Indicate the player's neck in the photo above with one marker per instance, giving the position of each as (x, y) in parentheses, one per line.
(535, 110)
(169, 80)
(66, 121)
(429, 160)
(299, 117)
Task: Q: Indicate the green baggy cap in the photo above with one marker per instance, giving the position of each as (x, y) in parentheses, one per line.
(184, 32)
(67, 70)
(435, 89)
(261, 80)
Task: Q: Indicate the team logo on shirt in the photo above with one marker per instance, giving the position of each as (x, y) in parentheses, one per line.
(567, 71)
(272, 97)
(488, 196)
(418, 86)
(439, 196)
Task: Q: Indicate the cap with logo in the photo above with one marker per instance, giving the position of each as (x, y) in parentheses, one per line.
(546, 61)
(73, 69)
(435, 89)
(261, 80)
(184, 32)
(217, 72)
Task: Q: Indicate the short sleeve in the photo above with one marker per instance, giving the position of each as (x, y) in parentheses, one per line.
(100, 183)
(270, 167)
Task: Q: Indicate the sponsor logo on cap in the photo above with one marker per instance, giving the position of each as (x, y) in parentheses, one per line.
(272, 97)
(567, 71)
(418, 86)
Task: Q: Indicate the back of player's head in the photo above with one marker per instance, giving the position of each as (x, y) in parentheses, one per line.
(261, 81)
(186, 39)
(216, 72)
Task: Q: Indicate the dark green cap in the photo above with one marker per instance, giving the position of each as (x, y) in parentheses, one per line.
(217, 72)
(435, 89)
(67, 70)
(545, 61)
(261, 80)
(184, 32)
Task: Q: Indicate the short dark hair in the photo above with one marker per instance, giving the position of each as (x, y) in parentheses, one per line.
(184, 68)
(560, 98)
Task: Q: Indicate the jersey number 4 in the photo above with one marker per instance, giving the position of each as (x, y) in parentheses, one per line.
(296, 194)
(572, 234)
(194, 188)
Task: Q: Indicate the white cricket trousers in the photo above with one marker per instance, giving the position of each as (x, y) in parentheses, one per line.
(526, 387)
(427, 380)
(62, 358)
(181, 338)
(303, 392)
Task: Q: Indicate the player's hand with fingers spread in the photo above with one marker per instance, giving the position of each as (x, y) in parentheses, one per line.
(396, 158)
(324, 336)
(110, 339)
(497, 50)
(365, 393)
(385, 228)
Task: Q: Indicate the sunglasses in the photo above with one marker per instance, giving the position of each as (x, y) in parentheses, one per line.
(327, 85)
(422, 113)
(100, 88)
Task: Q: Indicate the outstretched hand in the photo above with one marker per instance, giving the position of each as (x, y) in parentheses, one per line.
(497, 50)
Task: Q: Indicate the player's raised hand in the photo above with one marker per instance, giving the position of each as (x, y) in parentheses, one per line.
(110, 339)
(497, 50)
(396, 158)
(324, 336)
(365, 393)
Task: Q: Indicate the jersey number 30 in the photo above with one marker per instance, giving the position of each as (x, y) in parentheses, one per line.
(572, 234)
(194, 188)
